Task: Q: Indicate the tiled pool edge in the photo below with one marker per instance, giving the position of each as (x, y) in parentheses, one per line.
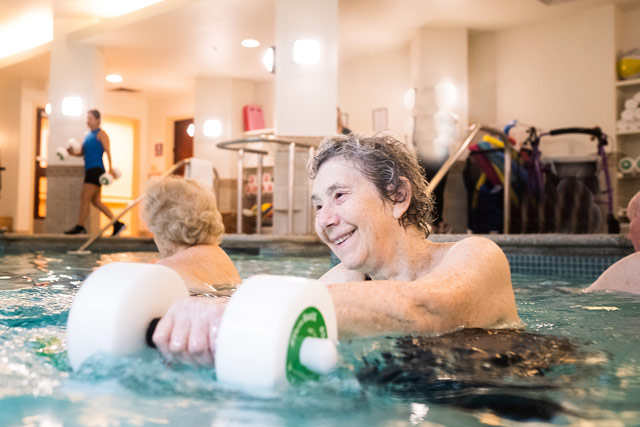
(558, 255)
(566, 255)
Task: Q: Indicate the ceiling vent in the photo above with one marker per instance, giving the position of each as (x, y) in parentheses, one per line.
(554, 2)
(124, 89)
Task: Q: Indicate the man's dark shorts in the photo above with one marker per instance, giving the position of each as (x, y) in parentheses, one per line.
(92, 176)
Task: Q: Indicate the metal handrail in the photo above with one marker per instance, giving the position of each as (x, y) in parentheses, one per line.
(474, 129)
(229, 145)
(131, 205)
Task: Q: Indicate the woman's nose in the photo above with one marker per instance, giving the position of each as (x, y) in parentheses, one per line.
(326, 217)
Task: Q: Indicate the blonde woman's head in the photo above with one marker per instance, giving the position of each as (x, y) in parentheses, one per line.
(182, 212)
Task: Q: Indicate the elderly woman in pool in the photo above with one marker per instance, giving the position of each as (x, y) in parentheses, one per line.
(373, 209)
(186, 226)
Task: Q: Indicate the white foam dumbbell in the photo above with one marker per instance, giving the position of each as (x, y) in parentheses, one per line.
(107, 179)
(72, 145)
(275, 329)
(62, 153)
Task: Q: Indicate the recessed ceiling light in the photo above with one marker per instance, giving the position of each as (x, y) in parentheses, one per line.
(114, 78)
(250, 43)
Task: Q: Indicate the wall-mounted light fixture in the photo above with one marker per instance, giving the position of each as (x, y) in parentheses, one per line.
(72, 106)
(191, 130)
(212, 128)
(47, 109)
(268, 59)
(410, 99)
(306, 51)
(445, 95)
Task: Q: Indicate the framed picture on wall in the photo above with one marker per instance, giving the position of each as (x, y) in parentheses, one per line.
(379, 116)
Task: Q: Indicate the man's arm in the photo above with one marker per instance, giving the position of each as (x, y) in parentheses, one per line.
(470, 287)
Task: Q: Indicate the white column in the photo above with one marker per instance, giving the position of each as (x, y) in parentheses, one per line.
(306, 94)
(75, 71)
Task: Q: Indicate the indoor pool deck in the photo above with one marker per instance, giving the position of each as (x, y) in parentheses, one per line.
(585, 255)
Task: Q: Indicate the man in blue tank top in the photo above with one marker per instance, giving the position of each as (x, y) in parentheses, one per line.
(95, 144)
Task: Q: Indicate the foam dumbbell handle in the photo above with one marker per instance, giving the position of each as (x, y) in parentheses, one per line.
(263, 329)
(114, 307)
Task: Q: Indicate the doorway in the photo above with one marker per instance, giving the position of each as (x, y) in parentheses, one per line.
(40, 171)
(183, 142)
(124, 136)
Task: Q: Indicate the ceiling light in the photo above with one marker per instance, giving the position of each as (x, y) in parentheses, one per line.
(191, 130)
(306, 51)
(212, 128)
(114, 78)
(268, 59)
(71, 106)
(250, 43)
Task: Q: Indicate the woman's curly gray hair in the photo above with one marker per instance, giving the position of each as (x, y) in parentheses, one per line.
(182, 211)
(384, 161)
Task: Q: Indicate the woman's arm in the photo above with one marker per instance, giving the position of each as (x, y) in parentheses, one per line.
(470, 287)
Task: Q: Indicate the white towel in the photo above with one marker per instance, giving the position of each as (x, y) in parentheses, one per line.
(200, 170)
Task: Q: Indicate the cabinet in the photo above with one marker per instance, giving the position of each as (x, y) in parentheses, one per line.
(627, 142)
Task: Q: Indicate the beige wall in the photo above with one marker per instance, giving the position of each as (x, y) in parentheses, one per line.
(556, 74)
(163, 112)
(9, 147)
(377, 81)
(19, 101)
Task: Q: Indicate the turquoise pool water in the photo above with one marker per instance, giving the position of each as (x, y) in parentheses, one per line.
(577, 364)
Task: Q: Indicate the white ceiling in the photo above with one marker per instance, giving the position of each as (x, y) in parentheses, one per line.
(163, 47)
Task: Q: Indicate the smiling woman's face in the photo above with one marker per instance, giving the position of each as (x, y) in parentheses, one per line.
(351, 216)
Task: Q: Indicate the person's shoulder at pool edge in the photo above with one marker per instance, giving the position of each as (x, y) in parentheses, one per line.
(624, 275)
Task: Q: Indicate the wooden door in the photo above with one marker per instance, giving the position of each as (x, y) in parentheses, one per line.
(183, 142)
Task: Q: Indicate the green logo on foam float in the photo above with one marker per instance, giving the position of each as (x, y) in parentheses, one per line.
(310, 323)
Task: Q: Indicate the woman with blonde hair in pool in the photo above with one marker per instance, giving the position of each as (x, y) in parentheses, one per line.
(187, 226)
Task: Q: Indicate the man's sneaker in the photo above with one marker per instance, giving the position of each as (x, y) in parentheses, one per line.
(118, 227)
(78, 229)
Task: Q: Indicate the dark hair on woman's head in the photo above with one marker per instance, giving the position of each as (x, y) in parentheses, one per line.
(95, 113)
(384, 161)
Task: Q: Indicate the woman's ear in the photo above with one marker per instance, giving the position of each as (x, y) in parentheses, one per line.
(403, 198)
